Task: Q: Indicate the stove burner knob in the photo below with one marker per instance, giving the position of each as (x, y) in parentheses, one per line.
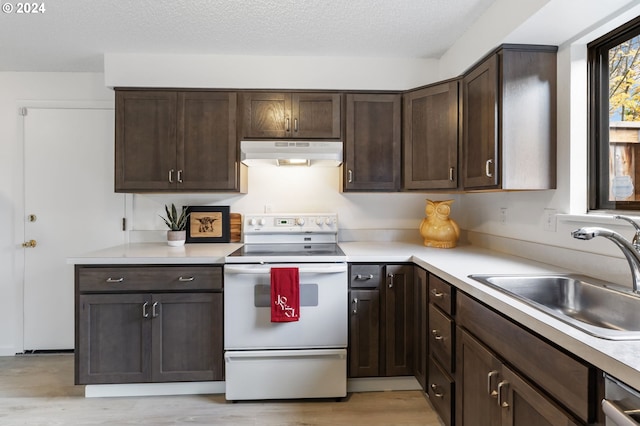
(253, 221)
(300, 221)
(263, 221)
(319, 221)
(330, 221)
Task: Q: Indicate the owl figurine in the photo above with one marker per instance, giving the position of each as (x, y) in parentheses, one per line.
(437, 229)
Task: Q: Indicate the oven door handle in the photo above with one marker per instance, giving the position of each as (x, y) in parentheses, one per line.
(311, 269)
(617, 414)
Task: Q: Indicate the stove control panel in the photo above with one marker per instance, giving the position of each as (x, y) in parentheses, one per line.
(291, 223)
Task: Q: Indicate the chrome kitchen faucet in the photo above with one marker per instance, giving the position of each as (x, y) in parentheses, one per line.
(631, 250)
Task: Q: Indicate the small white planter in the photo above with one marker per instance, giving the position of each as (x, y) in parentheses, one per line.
(176, 238)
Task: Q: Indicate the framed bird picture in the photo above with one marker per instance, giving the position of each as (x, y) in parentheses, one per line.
(208, 224)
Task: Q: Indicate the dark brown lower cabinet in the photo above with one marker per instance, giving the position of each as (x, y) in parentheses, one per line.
(137, 338)
(381, 326)
(140, 324)
(364, 338)
(491, 394)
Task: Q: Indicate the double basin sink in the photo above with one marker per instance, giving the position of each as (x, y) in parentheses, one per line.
(595, 307)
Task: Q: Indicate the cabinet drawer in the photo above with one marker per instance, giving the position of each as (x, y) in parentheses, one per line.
(441, 294)
(440, 390)
(441, 332)
(148, 278)
(570, 381)
(365, 276)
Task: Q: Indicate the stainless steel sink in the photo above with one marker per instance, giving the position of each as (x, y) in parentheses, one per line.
(596, 307)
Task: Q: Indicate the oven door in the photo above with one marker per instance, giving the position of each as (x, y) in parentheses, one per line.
(323, 308)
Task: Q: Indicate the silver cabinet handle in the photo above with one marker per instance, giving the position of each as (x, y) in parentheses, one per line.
(437, 335)
(349, 175)
(487, 167)
(180, 176)
(115, 280)
(154, 312)
(186, 279)
(492, 393)
(451, 170)
(288, 122)
(145, 313)
(355, 305)
(364, 277)
(390, 280)
(295, 124)
(501, 401)
(171, 175)
(437, 294)
(437, 394)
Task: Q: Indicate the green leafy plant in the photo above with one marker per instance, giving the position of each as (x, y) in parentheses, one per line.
(174, 221)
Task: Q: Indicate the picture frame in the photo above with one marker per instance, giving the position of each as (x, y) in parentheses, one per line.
(208, 224)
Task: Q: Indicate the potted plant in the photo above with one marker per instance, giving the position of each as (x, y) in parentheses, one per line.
(177, 234)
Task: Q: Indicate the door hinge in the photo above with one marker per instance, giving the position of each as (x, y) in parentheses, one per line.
(124, 223)
(22, 111)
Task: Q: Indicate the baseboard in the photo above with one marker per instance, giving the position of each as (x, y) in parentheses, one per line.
(153, 389)
(381, 384)
(367, 384)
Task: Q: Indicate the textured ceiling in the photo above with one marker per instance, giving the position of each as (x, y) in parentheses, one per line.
(73, 35)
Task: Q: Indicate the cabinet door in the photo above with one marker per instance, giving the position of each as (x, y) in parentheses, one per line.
(398, 324)
(187, 337)
(372, 142)
(266, 115)
(145, 141)
(421, 352)
(364, 333)
(480, 126)
(431, 137)
(207, 143)
(477, 380)
(113, 338)
(316, 115)
(522, 405)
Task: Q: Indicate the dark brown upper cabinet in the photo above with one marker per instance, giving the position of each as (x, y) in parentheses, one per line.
(168, 141)
(430, 135)
(291, 115)
(372, 142)
(509, 120)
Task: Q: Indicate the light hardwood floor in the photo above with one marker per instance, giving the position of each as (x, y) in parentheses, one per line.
(39, 390)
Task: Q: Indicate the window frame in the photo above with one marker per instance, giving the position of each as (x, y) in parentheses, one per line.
(598, 114)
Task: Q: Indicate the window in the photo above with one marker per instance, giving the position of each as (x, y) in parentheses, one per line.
(614, 117)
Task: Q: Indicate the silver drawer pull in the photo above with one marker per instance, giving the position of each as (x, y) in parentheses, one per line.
(492, 393)
(115, 280)
(437, 394)
(364, 277)
(186, 279)
(437, 335)
(154, 310)
(145, 313)
(502, 402)
(355, 305)
(437, 293)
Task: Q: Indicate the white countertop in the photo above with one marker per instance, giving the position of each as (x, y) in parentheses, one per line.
(618, 358)
(157, 253)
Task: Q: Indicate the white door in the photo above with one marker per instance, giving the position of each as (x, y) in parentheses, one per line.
(70, 207)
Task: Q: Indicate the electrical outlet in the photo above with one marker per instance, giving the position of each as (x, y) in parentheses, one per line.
(549, 220)
(268, 208)
(503, 215)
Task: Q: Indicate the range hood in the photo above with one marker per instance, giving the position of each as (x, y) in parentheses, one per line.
(291, 153)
